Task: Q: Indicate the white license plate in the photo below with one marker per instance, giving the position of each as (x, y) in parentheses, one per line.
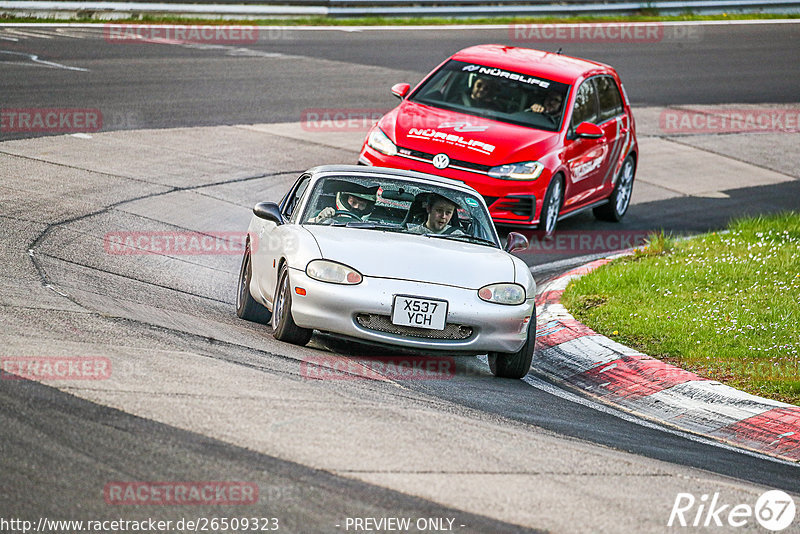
(422, 313)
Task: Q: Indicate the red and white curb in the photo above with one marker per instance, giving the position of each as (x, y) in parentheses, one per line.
(579, 358)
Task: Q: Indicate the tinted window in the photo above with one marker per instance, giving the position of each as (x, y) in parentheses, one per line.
(496, 94)
(608, 94)
(585, 109)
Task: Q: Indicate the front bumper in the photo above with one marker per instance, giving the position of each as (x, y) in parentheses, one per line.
(510, 201)
(335, 308)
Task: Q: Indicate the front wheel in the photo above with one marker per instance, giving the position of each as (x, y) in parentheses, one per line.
(246, 306)
(620, 198)
(283, 324)
(551, 206)
(517, 364)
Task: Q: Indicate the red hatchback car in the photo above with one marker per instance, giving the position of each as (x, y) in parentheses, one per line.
(540, 135)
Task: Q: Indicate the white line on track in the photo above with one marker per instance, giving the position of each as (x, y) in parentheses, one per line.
(35, 59)
(31, 34)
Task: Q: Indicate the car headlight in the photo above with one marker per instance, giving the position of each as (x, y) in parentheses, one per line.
(335, 273)
(503, 293)
(527, 170)
(381, 142)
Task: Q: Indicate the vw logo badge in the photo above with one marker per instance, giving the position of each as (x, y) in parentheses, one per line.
(441, 161)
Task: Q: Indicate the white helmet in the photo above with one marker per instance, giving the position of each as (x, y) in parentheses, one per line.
(343, 204)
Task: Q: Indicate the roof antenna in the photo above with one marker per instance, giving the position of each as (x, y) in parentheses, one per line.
(559, 50)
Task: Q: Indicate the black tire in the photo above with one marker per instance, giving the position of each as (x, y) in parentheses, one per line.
(620, 197)
(283, 324)
(246, 306)
(551, 206)
(517, 364)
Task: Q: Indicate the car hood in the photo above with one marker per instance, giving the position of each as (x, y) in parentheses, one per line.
(414, 257)
(415, 126)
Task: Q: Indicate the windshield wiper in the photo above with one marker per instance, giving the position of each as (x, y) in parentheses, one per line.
(470, 238)
(373, 226)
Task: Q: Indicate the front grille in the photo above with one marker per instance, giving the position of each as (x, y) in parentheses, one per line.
(416, 153)
(383, 323)
(469, 165)
(455, 163)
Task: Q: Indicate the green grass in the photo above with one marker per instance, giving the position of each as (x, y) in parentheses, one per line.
(401, 21)
(723, 305)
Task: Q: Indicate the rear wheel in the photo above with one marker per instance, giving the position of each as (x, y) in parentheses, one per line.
(246, 306)
(620, 198)
(283, 324)
(517, 364)
(551, 206)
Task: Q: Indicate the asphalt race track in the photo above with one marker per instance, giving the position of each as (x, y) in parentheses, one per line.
(286, 72)
(193, 136)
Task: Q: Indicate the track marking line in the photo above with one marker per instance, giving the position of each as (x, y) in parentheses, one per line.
(35, 59)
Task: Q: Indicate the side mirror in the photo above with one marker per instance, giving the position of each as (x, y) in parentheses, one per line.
(268, 211)
(516, 241)
(588, 130)
(400, 90)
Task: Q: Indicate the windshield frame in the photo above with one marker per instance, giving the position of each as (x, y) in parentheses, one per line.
(470, 203)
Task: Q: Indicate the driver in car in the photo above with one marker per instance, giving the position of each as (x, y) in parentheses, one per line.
(440, 211)
(550, 106)
(358, 204)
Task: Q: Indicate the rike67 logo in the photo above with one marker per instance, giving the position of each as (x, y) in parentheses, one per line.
(774, 510)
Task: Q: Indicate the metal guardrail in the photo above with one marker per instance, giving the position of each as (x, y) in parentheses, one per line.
(384, 8)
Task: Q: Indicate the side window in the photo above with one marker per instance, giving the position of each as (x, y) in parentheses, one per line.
(294, 196)
(610, 99)
(585, 109)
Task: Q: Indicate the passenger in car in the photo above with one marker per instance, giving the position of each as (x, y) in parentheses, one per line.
(482, 94)
(440, 212)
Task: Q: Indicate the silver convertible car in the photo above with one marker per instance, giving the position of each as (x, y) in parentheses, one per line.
(390, 257)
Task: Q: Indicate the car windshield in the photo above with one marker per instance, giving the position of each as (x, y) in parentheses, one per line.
(397, 205)
(495, 94)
